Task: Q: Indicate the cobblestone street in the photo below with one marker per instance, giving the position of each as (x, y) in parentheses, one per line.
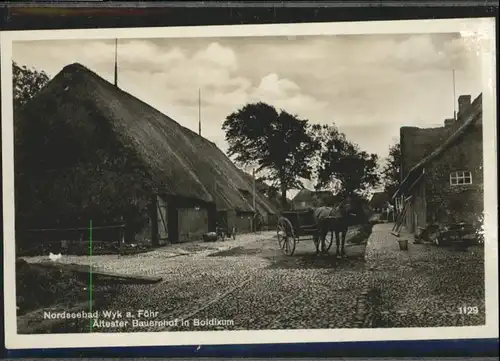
(424, 286)
(251, 285)
(248, 283)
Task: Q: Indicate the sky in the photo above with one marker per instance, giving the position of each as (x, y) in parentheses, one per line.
(367, 85)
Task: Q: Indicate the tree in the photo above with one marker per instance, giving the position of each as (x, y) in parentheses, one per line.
(328, 138)
(272, 193)
(275, 141)
(342, 164)
(391, 172)
(26, 83)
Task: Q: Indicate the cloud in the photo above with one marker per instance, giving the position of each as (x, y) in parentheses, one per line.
(146, 56)
(285, 94)
(274, 87)
(355, 81)
(218, 55)
(421, 53)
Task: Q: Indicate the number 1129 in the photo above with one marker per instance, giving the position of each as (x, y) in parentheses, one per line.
(468, 310)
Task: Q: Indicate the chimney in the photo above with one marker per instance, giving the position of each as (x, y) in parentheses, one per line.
(449, 122)
(464, 102)
(406, 142)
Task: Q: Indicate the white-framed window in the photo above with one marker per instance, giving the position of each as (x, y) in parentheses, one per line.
(460, 178)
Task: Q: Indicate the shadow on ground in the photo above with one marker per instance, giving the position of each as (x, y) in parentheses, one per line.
(235, 252)
(197, 247)
(305, 256)
(301, 259)
(311, 260)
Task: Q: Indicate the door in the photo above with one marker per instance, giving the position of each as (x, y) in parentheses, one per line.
(162, 220)
(193, 223)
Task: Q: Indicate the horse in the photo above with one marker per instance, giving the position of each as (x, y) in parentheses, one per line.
(337, 220)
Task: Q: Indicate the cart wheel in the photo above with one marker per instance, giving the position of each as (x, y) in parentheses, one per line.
(285, 231)
(289, 239)
(281, 232)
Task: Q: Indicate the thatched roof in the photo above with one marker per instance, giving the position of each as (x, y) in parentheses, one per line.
(379, 200)
(262, 203)
(471, 117)
(416, 143)
(309, 196)
(179, 161)
(304, 195)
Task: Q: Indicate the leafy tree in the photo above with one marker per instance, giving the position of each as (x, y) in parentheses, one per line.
(391, 171)
(275, 141)
(328, 138)
(264, 188)
(271, 192)
(26, 83)
(342, 164)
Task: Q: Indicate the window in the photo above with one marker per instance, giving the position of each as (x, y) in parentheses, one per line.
(459, 178)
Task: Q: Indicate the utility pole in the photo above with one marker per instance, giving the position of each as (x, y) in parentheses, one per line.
(116, 62)
(199, 112)
(254, 210)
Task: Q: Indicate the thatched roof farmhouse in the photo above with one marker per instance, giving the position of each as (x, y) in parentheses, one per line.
(86, 149)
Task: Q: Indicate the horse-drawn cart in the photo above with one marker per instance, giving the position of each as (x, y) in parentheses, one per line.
(292, 225)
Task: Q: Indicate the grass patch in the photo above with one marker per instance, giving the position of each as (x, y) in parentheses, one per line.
(39, 287)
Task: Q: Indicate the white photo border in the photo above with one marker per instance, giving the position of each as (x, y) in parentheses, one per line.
(483, 28)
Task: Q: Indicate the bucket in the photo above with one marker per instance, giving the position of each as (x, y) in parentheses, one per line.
(403, 244)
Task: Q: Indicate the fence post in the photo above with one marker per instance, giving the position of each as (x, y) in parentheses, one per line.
(122, 238)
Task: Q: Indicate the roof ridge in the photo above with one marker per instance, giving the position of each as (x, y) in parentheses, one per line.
(80, 67)
(138, 120)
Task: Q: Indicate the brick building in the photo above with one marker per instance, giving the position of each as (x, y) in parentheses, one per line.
(442, 170)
